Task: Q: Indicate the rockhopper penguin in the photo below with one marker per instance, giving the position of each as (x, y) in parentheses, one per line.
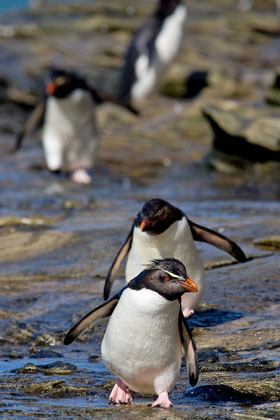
(161, 230)
(70, 135)
(153, 47)
(146, 333)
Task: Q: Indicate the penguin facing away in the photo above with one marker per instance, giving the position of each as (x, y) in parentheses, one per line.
(161, 230)
(143, 341)
(152, 49)
(70, 135)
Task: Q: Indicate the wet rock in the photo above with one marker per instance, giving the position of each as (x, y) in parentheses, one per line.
(18, 31)
(27, 368)
(268, 24)
(224, 394)
(58, 368)
(42, 354)
(22, 245)
(46, 340)
(208, 356)
(180, 83)
(273, 96)
(265, 389)
(49, 387)
(255, 136)
(241, 367)
(94, 358)
(55, 368)
(9, 221)
(270, 242)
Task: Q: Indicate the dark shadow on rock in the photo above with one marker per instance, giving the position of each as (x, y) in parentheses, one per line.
(229, 136)
(195, 82)
(186, 86)
(217, 394)
(212, 317)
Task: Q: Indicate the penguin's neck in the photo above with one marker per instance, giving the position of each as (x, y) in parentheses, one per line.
(78, 101)
(149, 303)
(176, 241)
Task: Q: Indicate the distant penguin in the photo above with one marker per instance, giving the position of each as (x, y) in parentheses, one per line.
(153, 47)
(70, 135)
(161, 230)
(143, 341)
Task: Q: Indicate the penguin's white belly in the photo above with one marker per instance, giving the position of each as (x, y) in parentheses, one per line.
(142, 342)
(146, 78)
(175, 242)
(167, 44)
(70, 136)
(170, 37)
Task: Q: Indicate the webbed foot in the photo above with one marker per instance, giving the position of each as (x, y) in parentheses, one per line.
(81, 176)
(121, 394)
(163, 401)
(188, 313)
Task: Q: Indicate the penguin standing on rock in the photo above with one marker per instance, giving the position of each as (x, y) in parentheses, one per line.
(161, 230)
(70, 135)
(151, 50)
(143, 341)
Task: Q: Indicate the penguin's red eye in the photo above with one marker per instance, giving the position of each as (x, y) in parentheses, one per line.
(166, 278)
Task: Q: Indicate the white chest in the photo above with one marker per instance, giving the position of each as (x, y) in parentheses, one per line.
(176, 242)
(142, 340)
(71, 115)
(70, 133)
(170, 37)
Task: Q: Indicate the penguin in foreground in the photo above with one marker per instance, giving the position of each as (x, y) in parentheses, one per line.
(143, 341)
(161, 230)
(70, 135)
(153, 47)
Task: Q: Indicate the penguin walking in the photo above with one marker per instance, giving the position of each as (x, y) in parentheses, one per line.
(70, 135)
(161, 230)
(152, 49)
(143, 341)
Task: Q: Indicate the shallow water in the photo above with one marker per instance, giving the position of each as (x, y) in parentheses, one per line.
(58, 239)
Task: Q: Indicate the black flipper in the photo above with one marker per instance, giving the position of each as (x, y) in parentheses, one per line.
(102, 311)
(116, 263)
(203, 234)
(34, 121)
(100, 98)
(189, 346)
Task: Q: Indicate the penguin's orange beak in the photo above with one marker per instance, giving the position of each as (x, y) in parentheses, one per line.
(143, 225)
(51, 88)
(189, 285)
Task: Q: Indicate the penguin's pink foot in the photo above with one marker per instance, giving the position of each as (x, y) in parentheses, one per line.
(121, 394)
(81, 176)
(188, 312)
(162, 401)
